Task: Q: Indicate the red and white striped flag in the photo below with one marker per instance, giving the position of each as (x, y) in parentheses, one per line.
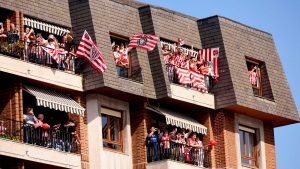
(143, 41)
(55, 53)
(198, 80)
(88, 50)
(211, 55)
(183, 76)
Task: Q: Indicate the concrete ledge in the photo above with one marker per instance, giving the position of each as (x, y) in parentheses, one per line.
(192, 96)
(170, 164)
(39, 154)
(41, 73)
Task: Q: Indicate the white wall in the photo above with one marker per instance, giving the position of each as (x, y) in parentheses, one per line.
(39, 154)
(100, 157)
(259, 126)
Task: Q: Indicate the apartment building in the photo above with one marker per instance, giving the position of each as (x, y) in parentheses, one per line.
(94, 120)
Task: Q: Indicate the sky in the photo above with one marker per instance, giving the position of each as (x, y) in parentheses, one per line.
(281, 19)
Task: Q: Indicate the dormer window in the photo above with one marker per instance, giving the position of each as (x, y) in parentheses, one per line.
(258, 78)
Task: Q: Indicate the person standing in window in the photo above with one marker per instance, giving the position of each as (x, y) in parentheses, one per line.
(153, 143)
(117, 59)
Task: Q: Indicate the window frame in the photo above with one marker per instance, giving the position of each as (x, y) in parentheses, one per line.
(258, 64)
(120, 132)
(127, 39)
(244, 156)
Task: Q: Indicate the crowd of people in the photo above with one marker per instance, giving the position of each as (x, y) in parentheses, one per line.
(34, 47)
(182, 66)
(62, 136)
(177, 145)
(120, 54)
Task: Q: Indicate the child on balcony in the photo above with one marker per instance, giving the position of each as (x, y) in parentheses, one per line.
(166, 144)
(179, 145)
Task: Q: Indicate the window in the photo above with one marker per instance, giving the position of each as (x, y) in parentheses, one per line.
(255, 76)
(126, 60)
(258, 78)
(111, 129)
(248, 146)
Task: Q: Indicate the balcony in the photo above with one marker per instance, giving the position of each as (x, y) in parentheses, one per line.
(191, 95)
(177, 156)
(45, 145)
(12, 61)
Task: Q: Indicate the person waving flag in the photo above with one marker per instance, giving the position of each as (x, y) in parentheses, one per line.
(89, 51)
(143, 41)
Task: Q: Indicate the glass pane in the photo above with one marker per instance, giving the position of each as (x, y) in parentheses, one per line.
(114, 128)
(249, 144)
(242, 142)
(112, 146)
(104, 126)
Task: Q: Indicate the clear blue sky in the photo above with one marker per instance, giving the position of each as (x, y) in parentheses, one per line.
(282, 20)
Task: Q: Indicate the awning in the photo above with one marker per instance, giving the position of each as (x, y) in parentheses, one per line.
(54, 100)
(45, 26)
(179, 120)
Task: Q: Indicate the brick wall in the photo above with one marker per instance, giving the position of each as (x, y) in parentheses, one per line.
(270, 146)
(11, 99)
(140, 124)
(223, 133)
(82, 129)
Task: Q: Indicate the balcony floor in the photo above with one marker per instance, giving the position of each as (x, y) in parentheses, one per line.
(171, 164)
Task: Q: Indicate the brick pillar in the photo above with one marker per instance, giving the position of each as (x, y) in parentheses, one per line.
(21, 24)
(82, 129)
(140, 123)
(270, 146)
(11, 104)
(6, 24)
(205, 119)
(224, 153)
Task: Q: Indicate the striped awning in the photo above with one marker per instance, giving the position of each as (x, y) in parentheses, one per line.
(54, 100)
(45, 26)
(179, 120)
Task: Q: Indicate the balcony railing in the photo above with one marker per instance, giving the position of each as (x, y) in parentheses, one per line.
(35, 54)
(51, 138)
(179, 152)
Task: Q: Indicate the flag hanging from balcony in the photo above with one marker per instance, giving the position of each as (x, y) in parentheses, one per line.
(143, 41)
(89, 51)
(55, 53)
(198, 80)
(211, 55)
(183, 75)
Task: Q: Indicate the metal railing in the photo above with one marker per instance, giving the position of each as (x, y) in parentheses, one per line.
(178, 152)
(35, 54)
(51, 138)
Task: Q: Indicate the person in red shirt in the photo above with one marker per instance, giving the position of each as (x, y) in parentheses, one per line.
(166, 144)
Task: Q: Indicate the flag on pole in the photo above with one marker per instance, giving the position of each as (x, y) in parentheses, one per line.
(143, 41)
(88, 50)
(55, 53)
